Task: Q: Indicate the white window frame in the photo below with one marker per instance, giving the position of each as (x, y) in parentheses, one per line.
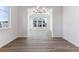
(9, 19)
(38, 15)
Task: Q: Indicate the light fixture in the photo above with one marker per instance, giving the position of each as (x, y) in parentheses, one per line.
(40, 10)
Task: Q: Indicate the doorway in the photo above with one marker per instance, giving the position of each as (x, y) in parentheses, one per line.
(40, 21)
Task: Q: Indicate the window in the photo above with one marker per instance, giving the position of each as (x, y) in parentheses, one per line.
(4, 16)
(39, 22)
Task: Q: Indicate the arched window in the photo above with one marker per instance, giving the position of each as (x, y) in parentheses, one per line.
(4, 16)
(39, 22)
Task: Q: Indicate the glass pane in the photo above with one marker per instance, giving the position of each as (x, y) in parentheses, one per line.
(4, 12)
(34, 23)
(39, 23)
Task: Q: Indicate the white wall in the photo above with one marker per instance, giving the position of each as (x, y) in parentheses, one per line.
(7, 35)
(71, 24)
(22, 24)
(57, 21)
(19, 29)
(22, 21)
(40, 32)
(69, 18)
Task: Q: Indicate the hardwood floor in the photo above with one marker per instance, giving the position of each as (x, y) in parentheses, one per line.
(42, 45)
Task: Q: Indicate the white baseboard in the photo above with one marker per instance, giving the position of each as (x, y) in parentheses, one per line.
(74, 43)
(6, 42)
(57, 37)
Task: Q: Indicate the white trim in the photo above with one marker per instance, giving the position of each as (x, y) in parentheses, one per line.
(6, 42)
(74, 43)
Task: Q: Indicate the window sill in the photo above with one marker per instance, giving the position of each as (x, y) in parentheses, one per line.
(4, 28)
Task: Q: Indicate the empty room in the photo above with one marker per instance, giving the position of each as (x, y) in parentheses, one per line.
(39, 29)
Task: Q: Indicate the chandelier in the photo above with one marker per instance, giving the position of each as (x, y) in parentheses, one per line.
(40, 10)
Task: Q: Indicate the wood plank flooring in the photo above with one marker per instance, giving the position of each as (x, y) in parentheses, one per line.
(35, 45)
